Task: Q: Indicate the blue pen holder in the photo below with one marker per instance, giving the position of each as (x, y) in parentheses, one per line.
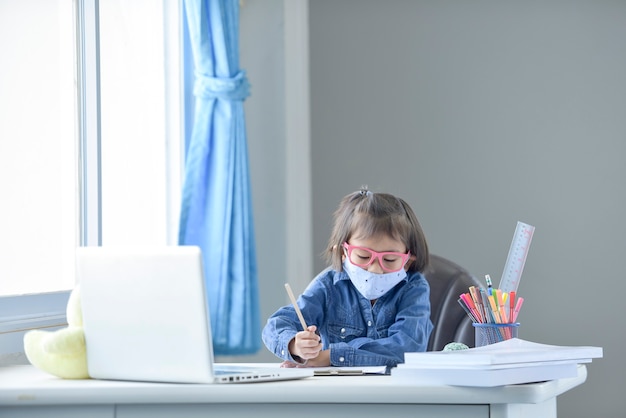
(485, 333)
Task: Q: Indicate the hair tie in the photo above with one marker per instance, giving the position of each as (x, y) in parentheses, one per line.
(364, 191)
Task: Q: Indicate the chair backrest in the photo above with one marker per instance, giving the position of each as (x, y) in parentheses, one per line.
(447, 281)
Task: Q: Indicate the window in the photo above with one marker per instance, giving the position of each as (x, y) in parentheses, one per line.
(135, 202)
(37, 150)
(90, 149)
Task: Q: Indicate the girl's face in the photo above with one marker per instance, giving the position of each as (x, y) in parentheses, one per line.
(383, 243)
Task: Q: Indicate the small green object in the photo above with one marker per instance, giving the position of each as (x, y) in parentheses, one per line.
(455, 346)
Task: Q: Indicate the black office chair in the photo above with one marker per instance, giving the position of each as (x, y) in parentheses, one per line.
(447, 281)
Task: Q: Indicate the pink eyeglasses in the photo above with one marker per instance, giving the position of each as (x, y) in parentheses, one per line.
(389, 261)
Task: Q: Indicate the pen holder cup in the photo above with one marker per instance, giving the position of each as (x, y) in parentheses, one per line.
(486, 334)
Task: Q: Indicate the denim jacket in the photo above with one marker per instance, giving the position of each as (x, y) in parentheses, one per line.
(357, 333)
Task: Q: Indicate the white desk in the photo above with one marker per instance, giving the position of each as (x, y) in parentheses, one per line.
(28, 392)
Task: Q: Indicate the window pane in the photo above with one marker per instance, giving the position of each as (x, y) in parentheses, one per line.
(133, 122)
(39, 221)
(38, 216)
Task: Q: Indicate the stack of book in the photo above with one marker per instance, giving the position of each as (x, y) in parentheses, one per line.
(508, 362)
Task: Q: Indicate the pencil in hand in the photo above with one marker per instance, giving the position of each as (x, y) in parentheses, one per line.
(295, 306)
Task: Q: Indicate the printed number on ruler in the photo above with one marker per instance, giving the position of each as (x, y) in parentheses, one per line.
(517, 257)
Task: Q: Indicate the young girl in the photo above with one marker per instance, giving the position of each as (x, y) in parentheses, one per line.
(372, 304)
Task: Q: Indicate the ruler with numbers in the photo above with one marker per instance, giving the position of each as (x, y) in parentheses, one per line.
(517, 257)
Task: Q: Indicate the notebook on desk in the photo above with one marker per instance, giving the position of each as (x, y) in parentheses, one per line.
(146, 318)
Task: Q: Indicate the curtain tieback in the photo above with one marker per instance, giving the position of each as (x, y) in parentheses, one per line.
(230, 89)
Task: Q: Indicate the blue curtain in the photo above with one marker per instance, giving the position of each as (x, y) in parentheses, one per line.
(216, 212)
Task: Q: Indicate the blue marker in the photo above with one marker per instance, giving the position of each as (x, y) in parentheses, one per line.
(489, 284)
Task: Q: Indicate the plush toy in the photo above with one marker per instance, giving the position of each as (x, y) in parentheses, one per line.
(62, 352)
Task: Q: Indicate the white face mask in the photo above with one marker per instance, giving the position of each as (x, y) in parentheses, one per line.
(372, 285)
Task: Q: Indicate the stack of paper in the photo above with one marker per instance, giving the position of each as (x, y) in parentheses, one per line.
(505, 363)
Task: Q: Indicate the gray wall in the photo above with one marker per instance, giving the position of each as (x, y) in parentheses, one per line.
(262, 56)
(480, 114)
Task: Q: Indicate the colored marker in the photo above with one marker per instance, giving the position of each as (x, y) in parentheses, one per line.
(511, 306)
(494, 309)
(518, 306)
(488, 314)
(466, 297)
(489, 284)
(467, 311)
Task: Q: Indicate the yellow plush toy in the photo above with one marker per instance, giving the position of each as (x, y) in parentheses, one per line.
(62, 352)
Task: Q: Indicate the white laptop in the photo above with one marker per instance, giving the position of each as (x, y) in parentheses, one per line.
(146, 318)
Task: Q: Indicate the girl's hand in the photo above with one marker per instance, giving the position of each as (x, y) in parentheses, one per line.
(322, 360)
(306, 344)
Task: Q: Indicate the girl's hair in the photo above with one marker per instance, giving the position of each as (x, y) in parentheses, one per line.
(373, 214)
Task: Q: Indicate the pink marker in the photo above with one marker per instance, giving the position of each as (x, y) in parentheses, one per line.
(518, 306)
(471, 306)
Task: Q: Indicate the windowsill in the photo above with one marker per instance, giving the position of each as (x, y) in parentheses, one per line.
(13, 359)
(19, 314)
